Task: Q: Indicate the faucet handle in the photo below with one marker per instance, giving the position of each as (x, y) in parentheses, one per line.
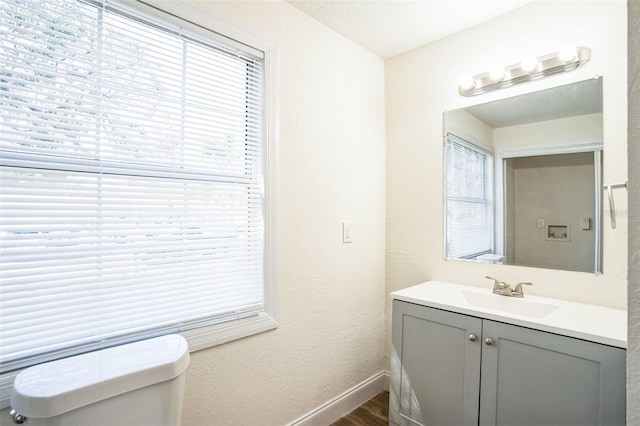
(497, 284)
(518, 288)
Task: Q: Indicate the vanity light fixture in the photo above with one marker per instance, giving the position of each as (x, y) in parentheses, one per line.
(529, 64)
(565, 59)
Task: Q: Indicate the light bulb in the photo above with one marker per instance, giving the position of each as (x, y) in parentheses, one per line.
(567, 53)
(496, 74)
(529, 64)
(467, 83)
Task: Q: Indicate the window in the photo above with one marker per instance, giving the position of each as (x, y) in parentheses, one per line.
(136, 181)
(468, 204)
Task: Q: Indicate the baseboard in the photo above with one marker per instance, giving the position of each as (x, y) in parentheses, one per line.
(346, 402)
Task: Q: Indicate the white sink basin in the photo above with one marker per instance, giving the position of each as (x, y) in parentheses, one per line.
(511, 305)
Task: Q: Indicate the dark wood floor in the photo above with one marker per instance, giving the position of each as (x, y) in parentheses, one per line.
(374, 412)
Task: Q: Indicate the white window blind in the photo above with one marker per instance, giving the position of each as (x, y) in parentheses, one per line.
(469, 207)
(131, 193)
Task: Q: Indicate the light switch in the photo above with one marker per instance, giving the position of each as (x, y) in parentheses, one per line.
(347, 231)
(540, 223)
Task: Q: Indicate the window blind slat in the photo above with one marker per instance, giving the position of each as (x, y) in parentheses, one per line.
(131, 194)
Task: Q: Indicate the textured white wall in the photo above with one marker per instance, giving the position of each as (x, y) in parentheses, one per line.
(633, 351)
(421, 84)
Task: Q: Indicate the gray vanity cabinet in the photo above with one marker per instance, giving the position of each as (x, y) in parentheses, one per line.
(531, 377)
(435, 367)
(455, 369)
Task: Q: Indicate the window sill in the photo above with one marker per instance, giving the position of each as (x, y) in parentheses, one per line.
(219, 334)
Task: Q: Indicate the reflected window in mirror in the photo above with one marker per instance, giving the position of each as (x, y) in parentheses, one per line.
(469, 201)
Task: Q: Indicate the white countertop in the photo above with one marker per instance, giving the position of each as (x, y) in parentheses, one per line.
(588, 322)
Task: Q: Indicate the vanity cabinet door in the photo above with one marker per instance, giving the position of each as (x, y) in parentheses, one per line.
(435, 365)
(531, 377)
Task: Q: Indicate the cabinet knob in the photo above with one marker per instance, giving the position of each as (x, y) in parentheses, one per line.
(488, 341)
(472, 337)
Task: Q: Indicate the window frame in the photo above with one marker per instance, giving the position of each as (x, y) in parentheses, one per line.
(186, 15)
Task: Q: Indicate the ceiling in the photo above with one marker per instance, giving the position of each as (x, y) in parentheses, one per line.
(391, 27)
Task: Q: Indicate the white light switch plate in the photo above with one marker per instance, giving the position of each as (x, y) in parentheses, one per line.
(347, 232)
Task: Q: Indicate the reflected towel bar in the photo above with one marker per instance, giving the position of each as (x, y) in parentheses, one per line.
(612, 206)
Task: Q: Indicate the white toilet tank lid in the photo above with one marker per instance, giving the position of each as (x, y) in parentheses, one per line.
(56, 387)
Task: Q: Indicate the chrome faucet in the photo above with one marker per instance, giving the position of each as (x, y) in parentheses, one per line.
(504, 289)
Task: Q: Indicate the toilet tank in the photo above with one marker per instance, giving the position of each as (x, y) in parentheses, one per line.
(140, 384)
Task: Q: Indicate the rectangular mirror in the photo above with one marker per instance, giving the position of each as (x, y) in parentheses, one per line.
(523, 179)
